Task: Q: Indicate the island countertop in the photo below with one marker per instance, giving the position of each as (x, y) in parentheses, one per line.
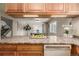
(49, 40)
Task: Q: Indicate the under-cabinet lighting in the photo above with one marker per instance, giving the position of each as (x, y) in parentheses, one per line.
(30, 16)
(59, 16)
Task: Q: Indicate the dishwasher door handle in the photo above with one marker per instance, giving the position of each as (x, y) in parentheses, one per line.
(56, 47)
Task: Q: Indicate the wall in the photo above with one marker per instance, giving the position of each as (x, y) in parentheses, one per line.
(19, 23)
(8, 22)
(1, 13)
(75, 24)
(60, 22)
(0, 27)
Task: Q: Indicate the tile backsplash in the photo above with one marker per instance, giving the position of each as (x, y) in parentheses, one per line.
(18, 25)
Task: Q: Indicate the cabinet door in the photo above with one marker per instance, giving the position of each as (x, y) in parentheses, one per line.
(36, 7)
(74, 50)
(7, 53)
(20, 7)
(77, 48)
(55, 7)
(29, 47)
(29, 53)
(26, 7)
(5, 47)
(73, 8)
(11, 7)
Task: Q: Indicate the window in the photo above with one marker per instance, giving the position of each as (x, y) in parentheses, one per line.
(53, 26)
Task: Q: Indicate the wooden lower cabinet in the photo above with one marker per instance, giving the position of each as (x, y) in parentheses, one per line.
(29, 47)
(7, 53)
(29, 53)
(7, 47)
(30, 50)
(21, 50)
(75, 50)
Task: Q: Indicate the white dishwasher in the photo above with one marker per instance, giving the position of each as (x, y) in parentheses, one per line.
(57, 50)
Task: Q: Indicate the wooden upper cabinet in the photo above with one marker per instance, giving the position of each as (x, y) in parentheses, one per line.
(25, 7)
(11, 7)
(55, 7)
(20, 7)
(14, 7)
(36, 7)
(72, 8)
(47, 7)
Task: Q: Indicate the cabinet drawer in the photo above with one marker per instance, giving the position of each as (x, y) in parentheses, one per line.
(7, 53)
(29, 53)
(7, 47)
(30, 47)
(77, 49)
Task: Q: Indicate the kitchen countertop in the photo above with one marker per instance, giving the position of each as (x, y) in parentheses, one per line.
(49, 40)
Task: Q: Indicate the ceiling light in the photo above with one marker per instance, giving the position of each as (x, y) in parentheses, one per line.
(59, 16)
(30, 15)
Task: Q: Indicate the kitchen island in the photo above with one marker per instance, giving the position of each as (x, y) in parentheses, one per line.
(25, 46)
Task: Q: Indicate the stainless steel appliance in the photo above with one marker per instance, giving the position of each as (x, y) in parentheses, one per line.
(57, 50)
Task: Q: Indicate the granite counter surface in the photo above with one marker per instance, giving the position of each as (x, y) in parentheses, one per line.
(49, 40)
